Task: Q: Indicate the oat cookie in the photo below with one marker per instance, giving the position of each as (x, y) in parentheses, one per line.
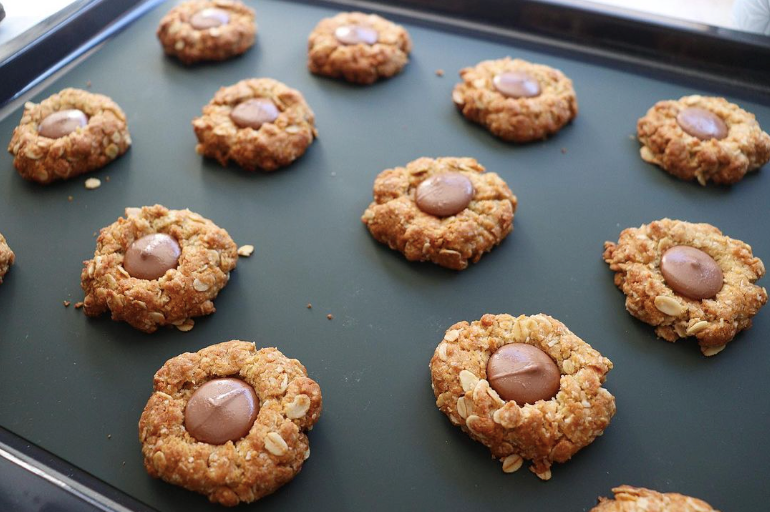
(68, 134)
(687, 280)
(703, 138)
(468, 389)
(258, 123)
(158, 267)
(206, 30)
(361, 48)
(515, 99)
(639, 499)
(6, 257)
(270, 447)
(448, 210)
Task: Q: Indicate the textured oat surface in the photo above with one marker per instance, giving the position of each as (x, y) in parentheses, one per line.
(273, 145)
(269, 456)
(746, 147)
(358, 63)
(6, 257)
(516, 119)
(714, 322)
(189, 45)
(639, 499)
(545, 432)
(91, 147)
(394, 218)
(208, 255)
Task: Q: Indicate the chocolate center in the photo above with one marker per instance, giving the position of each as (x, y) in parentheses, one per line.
(356, 34)
(151, 256)
(523, 373)
(221, 410)
(701, 123)
(516, 84)
(444, 194)
(62, 123)
(209, 18)
(254, 113)
(691, 272)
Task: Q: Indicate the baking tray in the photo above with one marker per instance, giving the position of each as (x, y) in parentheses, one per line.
(76, 386)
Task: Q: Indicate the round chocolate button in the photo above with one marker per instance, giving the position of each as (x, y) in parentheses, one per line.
(254, 113)
(516, 84)
(221, 410)
(356, 34)
(701, 123)
(523, 373)
(691, 272)
(444, 194)
(62, 123)
(151, 256)
(209, 18)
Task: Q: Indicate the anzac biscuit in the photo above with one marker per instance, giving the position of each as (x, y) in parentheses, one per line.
(448, 210)
(687, 280)
(703, 138)
(6, 257)
(516, 100)
(361, 48)
(158, 267)
(543, 409)
(68, 134)
(258, 123)
(229, 421)
(202, 30)
(639, 499)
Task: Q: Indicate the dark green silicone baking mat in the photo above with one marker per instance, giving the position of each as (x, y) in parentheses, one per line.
(76, 386)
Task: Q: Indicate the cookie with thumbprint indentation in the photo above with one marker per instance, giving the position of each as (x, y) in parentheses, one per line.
(525, 387)
(639, 499)
(687, 280)
(703, 138)
(6, 257)
(258, 123)
(158, 267)
(516, 100)
(229, 421)
(361, 48)
(448, 210)
(207, 30)
(68, 134)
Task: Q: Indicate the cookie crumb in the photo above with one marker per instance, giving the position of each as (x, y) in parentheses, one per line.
(109, 436)
(94, 234)
(70, 198)
(67, 303)
(78, 305)
(245, 250)
(330, 316)
(88, 84)
(309, 306)
(124, 463)
(563, 151)
(92, 183)
(106, 178)
(439, 72)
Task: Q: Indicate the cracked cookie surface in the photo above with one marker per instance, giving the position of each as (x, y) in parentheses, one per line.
(639, 499)
(274, 144)
(545, 432)
(636, 260)
(666, 144)
(452, 241)
(208, 254)
(6, 257)
(102, 139)
(357, 61)
(244, 470)
(517, 119)
(180, 37)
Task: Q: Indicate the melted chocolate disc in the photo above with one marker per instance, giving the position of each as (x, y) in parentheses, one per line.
(517, 84)
(209, 18)
(701, 123)
(444, 194)
(356, 34)
(151, 256)
(691, 272)
(221, 410)
(62, 123)
(523, 373)
(254, 113)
